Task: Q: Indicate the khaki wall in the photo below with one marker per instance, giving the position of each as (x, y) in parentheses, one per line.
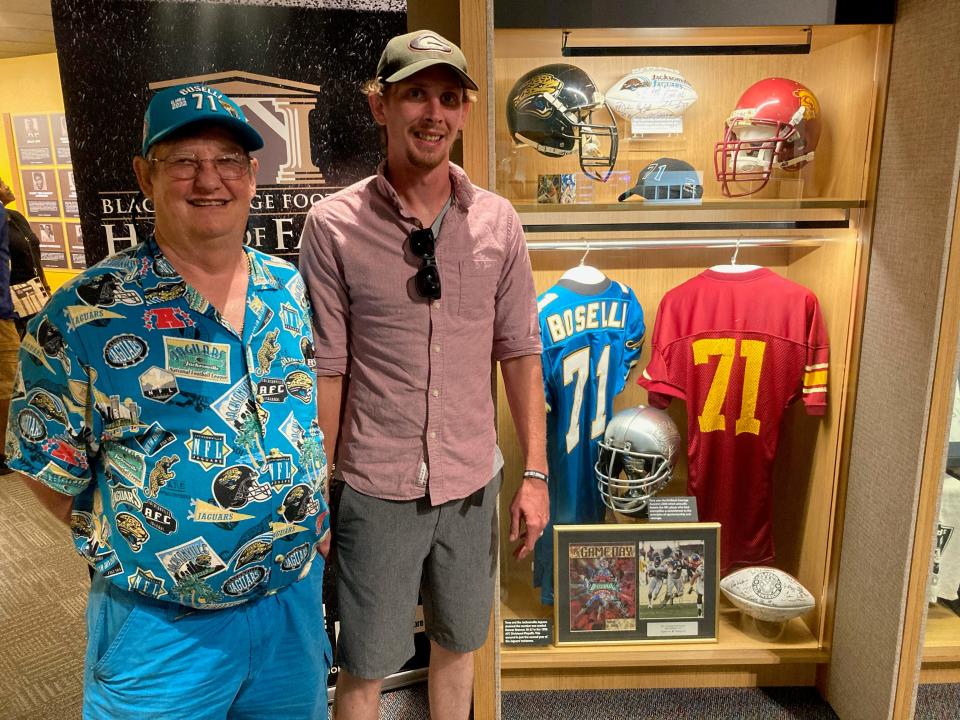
(916, 191)
(29, 84)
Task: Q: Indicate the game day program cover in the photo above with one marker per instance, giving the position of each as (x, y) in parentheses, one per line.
(603, 586)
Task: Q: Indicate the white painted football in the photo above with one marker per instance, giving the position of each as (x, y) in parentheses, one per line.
(651, 92)
(766, 593)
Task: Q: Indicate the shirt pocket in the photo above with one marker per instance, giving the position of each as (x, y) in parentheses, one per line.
(478, 288)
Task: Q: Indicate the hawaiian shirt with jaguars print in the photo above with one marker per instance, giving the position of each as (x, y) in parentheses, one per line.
(192, 451)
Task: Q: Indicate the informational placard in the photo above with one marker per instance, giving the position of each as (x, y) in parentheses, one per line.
(61, 141)
(32, 134)
(75, 243)
(43, 183)
(656, 125)
(53, 253)
(68, 193)
(40, 193)
(533, 631)
(672, 508)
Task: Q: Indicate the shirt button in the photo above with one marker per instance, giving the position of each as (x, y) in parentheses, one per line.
(433, 434)
(436, 348)
(278, 559)
(435, 392)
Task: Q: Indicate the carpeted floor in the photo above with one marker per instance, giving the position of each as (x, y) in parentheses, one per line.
(43, 586)
(670, 704)
(43, 594)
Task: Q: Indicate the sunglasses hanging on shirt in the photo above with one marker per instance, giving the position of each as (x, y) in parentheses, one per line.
(423, 244)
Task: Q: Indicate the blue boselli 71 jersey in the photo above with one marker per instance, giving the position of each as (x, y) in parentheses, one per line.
(592, 335)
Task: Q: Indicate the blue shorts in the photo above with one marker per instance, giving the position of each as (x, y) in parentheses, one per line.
(267, 658)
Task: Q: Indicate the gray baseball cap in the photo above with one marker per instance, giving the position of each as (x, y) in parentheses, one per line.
(667, 179)
(408, 54)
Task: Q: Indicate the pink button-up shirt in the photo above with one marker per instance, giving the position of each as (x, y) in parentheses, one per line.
(419, 392)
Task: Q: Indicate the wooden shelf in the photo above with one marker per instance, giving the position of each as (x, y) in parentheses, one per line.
(733, 204)
(737, 644)
(940, 659)
(941, 642)
(712, 215)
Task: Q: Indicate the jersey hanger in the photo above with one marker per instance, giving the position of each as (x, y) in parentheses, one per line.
(733, 267)
(585, 274)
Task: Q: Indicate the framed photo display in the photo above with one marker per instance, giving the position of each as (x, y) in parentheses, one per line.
(624, 584)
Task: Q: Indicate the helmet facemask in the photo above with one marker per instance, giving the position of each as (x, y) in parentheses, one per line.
(748, 153)
(627, 479)
(598, 143)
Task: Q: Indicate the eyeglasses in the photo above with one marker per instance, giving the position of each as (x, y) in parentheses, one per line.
(186, 166)
(422, 245)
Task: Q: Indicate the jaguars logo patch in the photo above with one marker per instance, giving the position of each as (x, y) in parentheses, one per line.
(526, 97)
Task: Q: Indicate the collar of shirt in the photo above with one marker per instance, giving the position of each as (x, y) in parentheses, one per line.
(463, 190)
(260, 276)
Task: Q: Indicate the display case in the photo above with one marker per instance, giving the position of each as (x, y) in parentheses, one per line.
(811, 226)
(934, 622)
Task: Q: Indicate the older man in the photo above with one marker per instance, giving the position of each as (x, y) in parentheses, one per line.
(418, 279)
(140, 422)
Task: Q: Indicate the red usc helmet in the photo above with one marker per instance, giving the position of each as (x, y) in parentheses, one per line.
(776, 124)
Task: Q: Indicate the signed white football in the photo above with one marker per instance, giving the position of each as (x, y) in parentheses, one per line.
(766, 593)
(651, 92)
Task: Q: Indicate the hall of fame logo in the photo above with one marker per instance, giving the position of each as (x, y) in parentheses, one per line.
(288, 179)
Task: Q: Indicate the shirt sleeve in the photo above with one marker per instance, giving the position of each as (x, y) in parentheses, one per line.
(52, 428)
(516, 328)
(816, 367)
(322, 272)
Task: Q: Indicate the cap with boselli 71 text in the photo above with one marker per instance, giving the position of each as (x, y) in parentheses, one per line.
(176, 107)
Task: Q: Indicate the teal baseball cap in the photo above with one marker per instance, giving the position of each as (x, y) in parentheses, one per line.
(176, 107)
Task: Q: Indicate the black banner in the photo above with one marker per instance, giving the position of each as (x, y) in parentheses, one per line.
(294, 71)
(689, 13)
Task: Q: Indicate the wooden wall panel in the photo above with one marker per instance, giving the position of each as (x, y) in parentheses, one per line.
(806, 475)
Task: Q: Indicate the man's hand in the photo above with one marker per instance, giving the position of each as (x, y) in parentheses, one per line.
(323, 544)
(531, 505)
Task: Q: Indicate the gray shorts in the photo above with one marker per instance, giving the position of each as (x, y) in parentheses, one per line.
(388, 551)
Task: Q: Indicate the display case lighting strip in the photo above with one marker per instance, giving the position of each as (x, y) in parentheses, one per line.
(675, 226)
(641, 50)
(691, 242)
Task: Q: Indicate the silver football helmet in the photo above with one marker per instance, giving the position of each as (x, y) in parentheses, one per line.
(636, 458)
